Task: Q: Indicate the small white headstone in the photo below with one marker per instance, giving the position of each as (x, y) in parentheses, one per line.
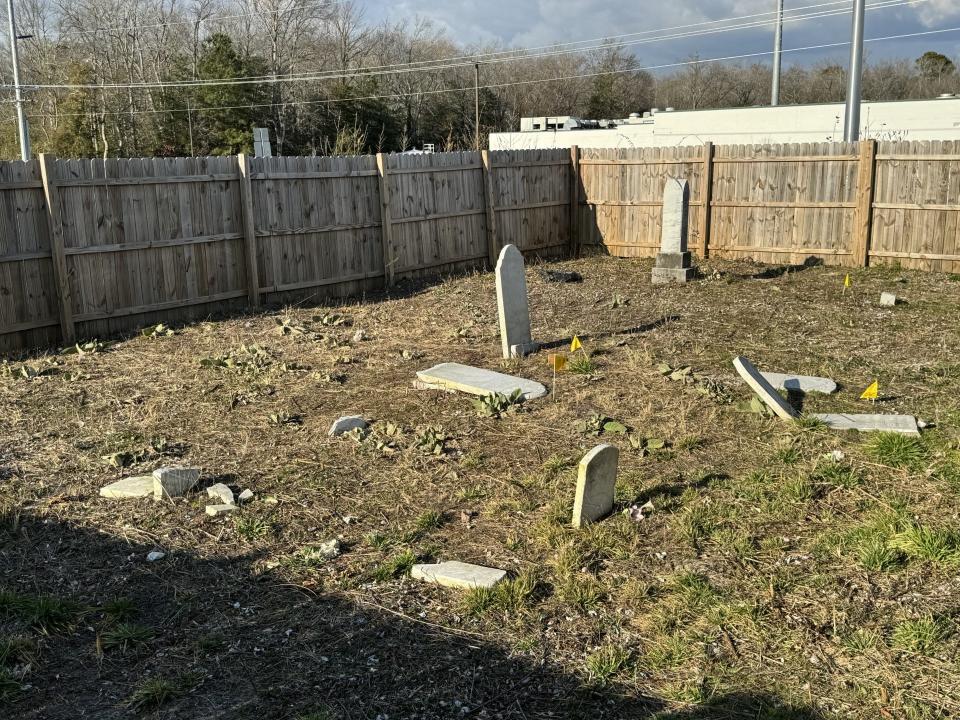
(596, 482)
(888, 299)
(513, 313)
(673, 230)
(764, 390)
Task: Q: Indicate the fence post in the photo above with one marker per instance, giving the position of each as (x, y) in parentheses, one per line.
(386, 229)
(706, 197)
(60, 274)
(490, 207)
(864, 217)
(249, 230)
(575, 201)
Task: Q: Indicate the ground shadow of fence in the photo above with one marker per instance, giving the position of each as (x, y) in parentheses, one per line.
(238, 642)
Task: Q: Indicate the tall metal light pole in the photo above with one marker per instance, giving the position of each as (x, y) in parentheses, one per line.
(777, 42)
(476, 105)
(18, 95)
(851, 127)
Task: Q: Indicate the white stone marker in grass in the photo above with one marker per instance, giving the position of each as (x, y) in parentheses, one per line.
(513, 312)
(173, 482)
(477, 381)
(803, 383)
(453, 573)
(764, 390)
(596, 482)
(673, 260)
(131, 487)
(906, 424)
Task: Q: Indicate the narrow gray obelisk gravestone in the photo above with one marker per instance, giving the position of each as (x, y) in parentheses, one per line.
(673, 260)
(596, 482)
(513, 313)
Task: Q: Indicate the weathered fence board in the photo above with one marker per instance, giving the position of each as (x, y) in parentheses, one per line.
(127, 243)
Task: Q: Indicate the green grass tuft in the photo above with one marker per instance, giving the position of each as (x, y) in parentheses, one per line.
(582, 365)
(602, 664)
(922, 635)
(46, 613)
(153, 693)
(896, 450)
(125, 636)
(933, 545)
(397, 565)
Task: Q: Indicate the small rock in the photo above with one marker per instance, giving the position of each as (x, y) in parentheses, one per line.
(222, 493)
(888, 299)
(214, 510)
(155, 555)
(346, 424)
(836, 455)
(131, 487)
(246, 495)
(636, 512)
(359, 336)
(322, 552)
(466, 516)
(174, 482)
(922, 424)
(349, 519)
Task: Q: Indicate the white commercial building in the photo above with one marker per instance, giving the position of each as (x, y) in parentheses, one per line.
(937, 119)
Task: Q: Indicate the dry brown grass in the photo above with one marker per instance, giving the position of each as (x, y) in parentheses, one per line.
(765, 578)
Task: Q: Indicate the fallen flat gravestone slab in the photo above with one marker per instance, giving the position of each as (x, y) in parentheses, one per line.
(477, 381)
(888, 299)
(803, 383)
(906, 424)
(453, 573)
(214, 510)
(596, 482)
(131, 487)
(764, 390)
(174, 482)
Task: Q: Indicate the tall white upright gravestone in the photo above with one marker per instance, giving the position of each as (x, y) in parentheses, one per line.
(513, 312)
(673, 260)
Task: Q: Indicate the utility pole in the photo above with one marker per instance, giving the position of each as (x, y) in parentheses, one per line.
(476, 105)
(851, 128)
(18, 94)
(777, 42)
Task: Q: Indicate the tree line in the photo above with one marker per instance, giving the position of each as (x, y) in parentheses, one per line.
(161, 45)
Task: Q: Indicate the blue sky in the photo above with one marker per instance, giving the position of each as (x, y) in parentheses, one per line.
(526, 24)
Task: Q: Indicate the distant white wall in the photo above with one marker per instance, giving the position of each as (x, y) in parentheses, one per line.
(907, 120)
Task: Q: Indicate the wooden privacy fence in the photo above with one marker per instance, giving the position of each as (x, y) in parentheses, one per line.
(92, 247)
(849, 204)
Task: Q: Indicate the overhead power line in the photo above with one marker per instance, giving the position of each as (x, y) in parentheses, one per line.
(443, 65)
(493, 86)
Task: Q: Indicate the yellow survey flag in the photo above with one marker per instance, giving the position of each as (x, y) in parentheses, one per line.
(846, 280)
(871, 392)
(558, 361)
(575, 345)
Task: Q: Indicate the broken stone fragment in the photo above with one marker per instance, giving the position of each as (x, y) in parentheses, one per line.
(246, 496)
(131, 487)
(174, 482)
(222, 493)
(215, 510)
(453, 573)
(155, 555)
(346, 424)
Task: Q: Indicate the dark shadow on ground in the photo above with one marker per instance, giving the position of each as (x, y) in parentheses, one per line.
(637, 330)
(781, 270)
(236, 641)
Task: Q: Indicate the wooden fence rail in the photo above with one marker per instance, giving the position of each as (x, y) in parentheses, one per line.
(93, 247)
